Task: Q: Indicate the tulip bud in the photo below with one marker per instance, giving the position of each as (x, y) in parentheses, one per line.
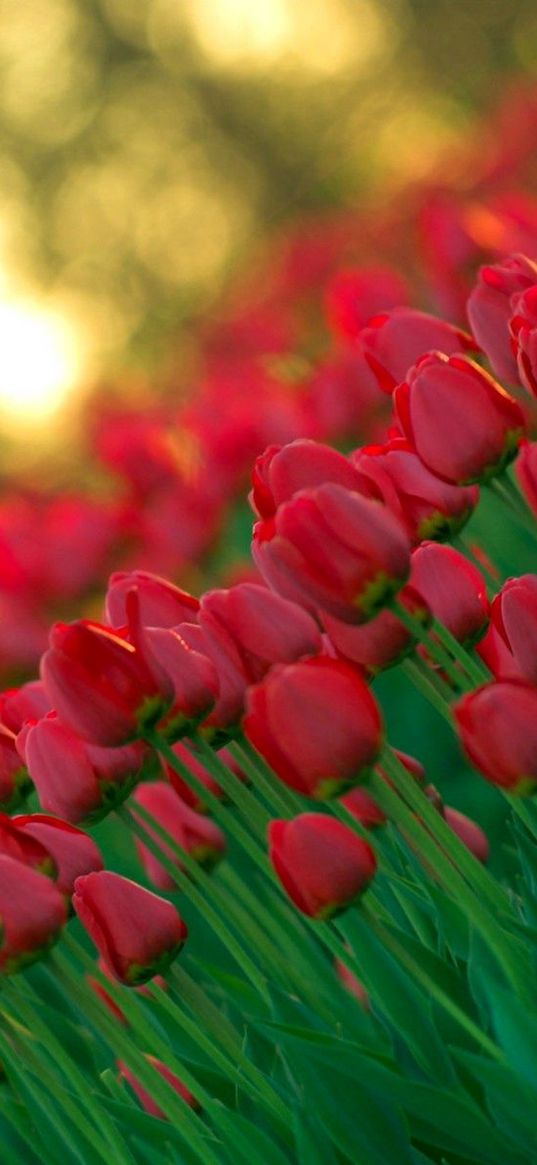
(294, 716)
(282, 471)
(355, 294)
(526, 472)
(514, 615)
(498, 730)
(193, 674)
(201, 839)
(334, 549)
(137, 933)
(32, 913)
(29, 702)
(14, 779)
(352, 984)
(523, 330)
(428, 507)
(145, 1098)
(490, 308)
(230, 677)
(394, 340)
(322, 865)
(453, 588)
(257, 628)
(383, 641)
(73, 852)
(74, 779)
(469, 832)
(364, 808)
(494, 652)
(161, 603)
(461, 422)
(33, 852)
(102, 686)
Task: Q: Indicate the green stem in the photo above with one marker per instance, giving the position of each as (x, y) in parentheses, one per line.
(424, 683)
(433, 647)
(186, 884)
(475, 671)
(284, 801)
(242, 797)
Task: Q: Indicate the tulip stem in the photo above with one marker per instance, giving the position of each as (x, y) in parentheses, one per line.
(434, 648)
(220, 811)
(428, 982)
(184, 883)
(283, 799)
(423, 680)
(173, 1106)
(246, 802)
(510, 496)
(474, 670)
(99, 1119)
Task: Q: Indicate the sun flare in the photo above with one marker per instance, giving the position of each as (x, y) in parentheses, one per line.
(39, 362)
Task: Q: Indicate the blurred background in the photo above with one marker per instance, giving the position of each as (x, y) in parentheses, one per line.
(149, 146)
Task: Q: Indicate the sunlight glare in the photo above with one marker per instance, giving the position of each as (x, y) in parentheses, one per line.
(39, 362)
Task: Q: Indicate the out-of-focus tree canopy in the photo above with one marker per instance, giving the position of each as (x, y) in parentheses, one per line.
(145, 144)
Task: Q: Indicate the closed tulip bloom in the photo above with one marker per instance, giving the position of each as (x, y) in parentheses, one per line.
(14, 779)
(257, 628)
(453, 588)
(195, 678)
(137, 933)
(331, 548)
(102, 686)
(523, 330)
(462, 424)
(322, 865)
(514, 614)
(25, 848)
(526, 472)
(282, 471)
(498, 730)
(364, 808)
(161, 603)
(316, 724)
(32, 913)
(231, 680)
(469, 832)
(28, 702)
(428, 507)
(490, 309)
(75, 780)
(393, 341)
(197, 835)
(383, 641)
(497, 656)
(73, 852)
(145, 1098)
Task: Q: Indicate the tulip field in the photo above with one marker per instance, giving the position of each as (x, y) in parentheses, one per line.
(268, 726)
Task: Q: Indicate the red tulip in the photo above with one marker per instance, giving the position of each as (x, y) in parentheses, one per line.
(498, 730)
(317, 725)
(334, 549)
(74, 779)
(355, 294)
(32, 913)
(31, 851)
(161, 603)
(394, 340)
(14, 778)
(194, 676)
(490, 308)
(256, 628)
(322, 865)
(383, 641)
(105, 688)
(201, 839)
(469, 832)
(282, 471)
(461, 422)
(145, 1098)
(523, 329)
(453, 588)
(429, 507)
(17, 705)
(137, 933)
(364, 808)
(72, 851)
(526, 472)
(514, 614)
